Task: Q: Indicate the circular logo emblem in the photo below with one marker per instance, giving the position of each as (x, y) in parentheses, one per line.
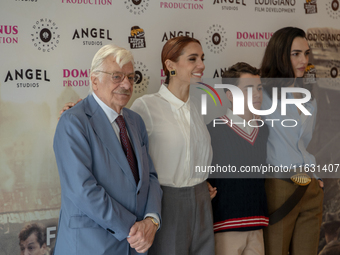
(136, 7)
(330, 70)
(335, 5)
(216, 40)
(136, 2)
(138, 77)
(141, 79)
(332, 8)
(45, 36)
(334, 72)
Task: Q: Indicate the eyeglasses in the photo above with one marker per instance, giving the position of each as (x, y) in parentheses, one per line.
(119, 77)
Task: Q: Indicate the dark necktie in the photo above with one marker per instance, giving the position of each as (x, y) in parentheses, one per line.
(127, 148)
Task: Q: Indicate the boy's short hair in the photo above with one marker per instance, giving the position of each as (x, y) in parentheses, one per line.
(232, 75)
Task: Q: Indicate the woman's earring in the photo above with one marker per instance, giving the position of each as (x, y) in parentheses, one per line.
(173, 72)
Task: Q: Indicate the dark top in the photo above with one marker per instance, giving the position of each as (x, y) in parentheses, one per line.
(240, 204)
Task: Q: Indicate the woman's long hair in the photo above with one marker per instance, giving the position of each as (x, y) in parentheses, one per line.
(276, 61)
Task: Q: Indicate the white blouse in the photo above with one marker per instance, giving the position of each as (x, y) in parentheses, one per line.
(178, 138)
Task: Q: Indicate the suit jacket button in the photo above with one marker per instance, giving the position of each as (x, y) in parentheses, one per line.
(138, 192)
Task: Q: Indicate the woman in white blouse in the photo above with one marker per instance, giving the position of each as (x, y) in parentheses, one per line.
(179, 141)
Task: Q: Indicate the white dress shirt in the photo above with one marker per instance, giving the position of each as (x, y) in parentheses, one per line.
(178, 138)
(111, 115)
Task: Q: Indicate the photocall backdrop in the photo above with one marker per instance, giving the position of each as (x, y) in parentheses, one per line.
(46, 48)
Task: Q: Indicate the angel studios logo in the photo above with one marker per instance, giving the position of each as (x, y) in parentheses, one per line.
(142, 78)
(219, 72)
(215, 39)
(137, 7)
(230, 5)
(27, 78)
(332, 8)
(45, 35)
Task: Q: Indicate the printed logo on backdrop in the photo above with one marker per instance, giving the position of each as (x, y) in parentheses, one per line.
(325, 45)
(331, 69)
(216, 40)
(189, 5)
(137, 7)
(230, 5)
(252, 39)
(142, 78)
(45, 35)
(334, 68)
(310, 7)
(218, 72)
(327, 39)
(91, 36)
(90, 2)
(275, 6)
(76, 77)
(8, 34)
(137, 38)
(332, 8)
(172, 34)
(30, 1)
(26, 78)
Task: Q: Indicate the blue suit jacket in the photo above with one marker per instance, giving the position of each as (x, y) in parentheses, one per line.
(99, 198)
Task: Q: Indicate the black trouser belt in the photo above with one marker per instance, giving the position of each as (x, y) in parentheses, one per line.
(290, 203)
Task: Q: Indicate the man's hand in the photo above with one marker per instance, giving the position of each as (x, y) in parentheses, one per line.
(212, 191)
(67, 106)
(141, 235)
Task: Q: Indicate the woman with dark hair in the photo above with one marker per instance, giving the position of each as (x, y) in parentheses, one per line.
(295, 210)
(179, 140)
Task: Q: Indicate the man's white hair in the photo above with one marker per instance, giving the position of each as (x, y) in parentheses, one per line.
(122, 57)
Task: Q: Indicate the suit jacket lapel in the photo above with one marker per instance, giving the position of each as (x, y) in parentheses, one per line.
(103, 128)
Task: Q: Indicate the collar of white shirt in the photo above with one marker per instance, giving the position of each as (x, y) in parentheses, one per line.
(172, 99)
(110, 113)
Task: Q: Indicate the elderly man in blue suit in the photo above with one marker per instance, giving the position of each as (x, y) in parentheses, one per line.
(111, 197)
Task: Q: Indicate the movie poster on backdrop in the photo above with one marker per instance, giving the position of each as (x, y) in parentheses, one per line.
(325, 145)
